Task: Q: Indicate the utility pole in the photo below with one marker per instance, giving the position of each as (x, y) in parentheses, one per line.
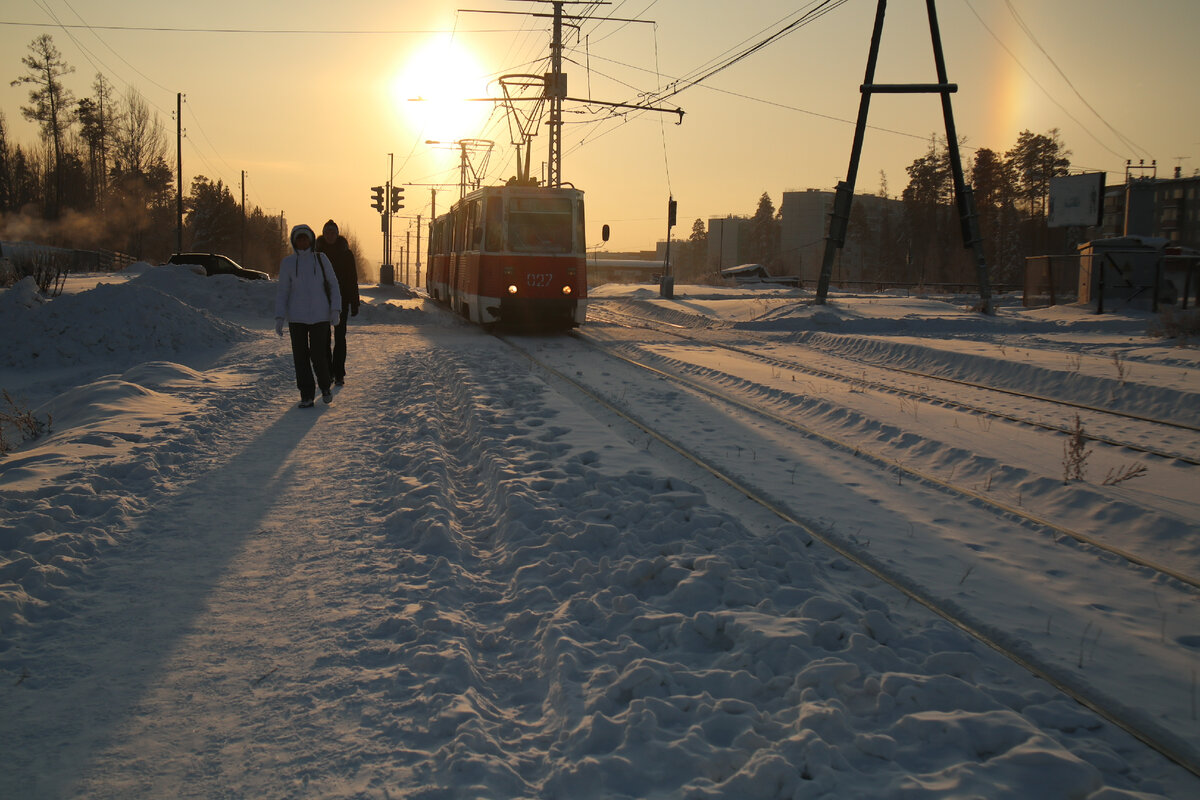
(387, 215)
(469, 176)
(964, 197)
(179, 172)
(243, 256)
(554, 87)
(557, 90)
(418, 276)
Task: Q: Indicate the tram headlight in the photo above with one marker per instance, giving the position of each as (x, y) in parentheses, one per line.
(566, 290)
(512, 288)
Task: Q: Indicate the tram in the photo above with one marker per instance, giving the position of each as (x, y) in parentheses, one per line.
(511, 254)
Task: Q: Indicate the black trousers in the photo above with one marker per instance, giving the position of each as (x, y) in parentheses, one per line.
(310, 352)
(337, 355)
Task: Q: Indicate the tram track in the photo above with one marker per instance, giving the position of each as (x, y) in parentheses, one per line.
(937, 399)
(1147, 731)
(928, 478)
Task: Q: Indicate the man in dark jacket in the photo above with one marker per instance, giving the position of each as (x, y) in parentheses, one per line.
(337, 249)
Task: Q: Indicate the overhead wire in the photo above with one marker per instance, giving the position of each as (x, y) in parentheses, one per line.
(104, 69)
(823, 8)
(92, 30)
(623, 25)
(256, 31)
(216, 152)
(92, 58)
(662, 129)
(808, 14)
(1085, 128)
(1033, 38)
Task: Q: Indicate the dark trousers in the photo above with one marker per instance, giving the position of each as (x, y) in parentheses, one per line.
(337, 355)
(310, 352)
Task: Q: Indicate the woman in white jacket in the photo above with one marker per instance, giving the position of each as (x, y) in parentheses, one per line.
(309, 300)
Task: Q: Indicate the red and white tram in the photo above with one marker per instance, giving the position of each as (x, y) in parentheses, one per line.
(511, 254)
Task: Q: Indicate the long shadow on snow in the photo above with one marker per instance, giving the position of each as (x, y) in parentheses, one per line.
(88, 673)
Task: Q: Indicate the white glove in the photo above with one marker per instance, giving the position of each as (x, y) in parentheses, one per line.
(279, 327)
(335, 317)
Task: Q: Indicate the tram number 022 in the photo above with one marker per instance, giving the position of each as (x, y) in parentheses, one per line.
(539, 279)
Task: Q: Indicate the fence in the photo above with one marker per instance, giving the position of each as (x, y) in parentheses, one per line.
(50, 265)
(1050, 280)
(1168, 279)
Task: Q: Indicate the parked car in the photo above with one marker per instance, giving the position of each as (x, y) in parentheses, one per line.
(215, 264)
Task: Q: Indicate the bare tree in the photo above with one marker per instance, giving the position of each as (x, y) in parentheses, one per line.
(139, 140)
(141, 178)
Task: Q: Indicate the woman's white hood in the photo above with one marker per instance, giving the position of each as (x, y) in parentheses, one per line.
(302, 228)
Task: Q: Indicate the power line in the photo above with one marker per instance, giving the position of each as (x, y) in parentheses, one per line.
(254, 31)
(1038, 84)
(111, 50)
(1029, 32)
(810, 16)
(216, 152)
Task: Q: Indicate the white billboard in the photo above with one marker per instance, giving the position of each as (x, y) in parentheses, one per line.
(1076, 200)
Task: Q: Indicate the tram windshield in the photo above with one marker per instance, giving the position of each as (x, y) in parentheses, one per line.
(540, 224)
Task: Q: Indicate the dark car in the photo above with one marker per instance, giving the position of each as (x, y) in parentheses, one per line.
(215, 264)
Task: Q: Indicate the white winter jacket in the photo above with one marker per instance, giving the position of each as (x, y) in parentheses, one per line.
(308, 288)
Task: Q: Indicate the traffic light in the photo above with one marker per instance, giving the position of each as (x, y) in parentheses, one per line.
(397, 198)
(671, 209)
(377, 198)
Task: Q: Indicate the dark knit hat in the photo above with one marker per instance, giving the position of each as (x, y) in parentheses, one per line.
(330, 224)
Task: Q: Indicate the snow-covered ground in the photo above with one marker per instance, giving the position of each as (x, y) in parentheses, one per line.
(461, 579)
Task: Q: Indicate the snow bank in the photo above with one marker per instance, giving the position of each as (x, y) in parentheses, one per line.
(126, 323)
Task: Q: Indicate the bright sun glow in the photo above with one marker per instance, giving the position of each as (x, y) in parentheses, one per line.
(442, 73)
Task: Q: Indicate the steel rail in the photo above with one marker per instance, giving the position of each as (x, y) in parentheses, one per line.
(882, 462)
(835, 375)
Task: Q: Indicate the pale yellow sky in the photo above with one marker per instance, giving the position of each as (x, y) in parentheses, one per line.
(311, 117)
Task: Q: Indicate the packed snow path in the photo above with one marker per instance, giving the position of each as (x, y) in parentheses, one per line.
(453, 582)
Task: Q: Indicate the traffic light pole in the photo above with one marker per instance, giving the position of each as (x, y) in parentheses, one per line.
(666, 286)
(387, 214)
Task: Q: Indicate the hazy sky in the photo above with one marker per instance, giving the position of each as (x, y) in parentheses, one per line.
(311, 117)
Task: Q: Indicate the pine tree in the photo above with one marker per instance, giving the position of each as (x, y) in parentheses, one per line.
(95, 115)
(698, 248)
(50, 104)
(765, 232)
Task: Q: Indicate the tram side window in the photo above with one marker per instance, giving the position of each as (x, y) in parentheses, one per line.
(460, 230)
(540, 225)
(493, 229)
(472, 243)
(580, 230)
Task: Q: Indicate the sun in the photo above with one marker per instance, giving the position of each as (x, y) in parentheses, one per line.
(431, 91)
